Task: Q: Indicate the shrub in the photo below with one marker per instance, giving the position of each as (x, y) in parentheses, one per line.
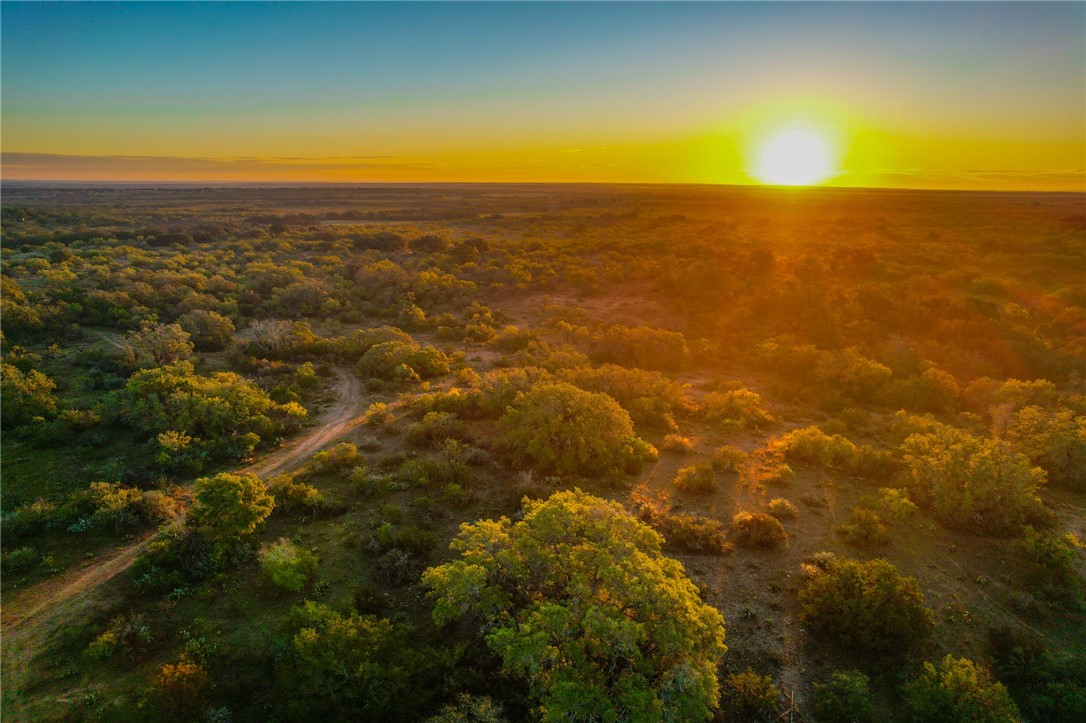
(181, 689)
(751, 697)
(470, 709)
(19, 560)
(640, 346)
(697, 479)
(436, 427)
(728, 459)
(691, 533)
(864, 529)
(229, 507)
(561, 590)
(292, 495)
(814, 446)
(341, 663)
(740, 406)
(757, 529)
(336, 460)
(958, 691)
(400, 361)
(567, 431)
(678, 443)
(781, 508)
(1054, 441)
(896, 504)
(779, 474)
(288, 565)
(844, 698)
(867, 606)
(976, 484)
(1053, 564)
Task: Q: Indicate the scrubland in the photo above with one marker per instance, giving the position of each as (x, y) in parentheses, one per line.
(486, 453)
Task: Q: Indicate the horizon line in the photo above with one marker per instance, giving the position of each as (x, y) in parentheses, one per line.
(73, 183)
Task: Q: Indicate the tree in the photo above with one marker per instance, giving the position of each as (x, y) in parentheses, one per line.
(565, 430)
(288, 565)
(958, 691)
(210, 331)
(577, 599)
(865, 605)
(1054, 441)
(844, 698)
(156, 345)
(347, 668)
(24, 396)
(230, 507)
(973, 483)
(223, 413)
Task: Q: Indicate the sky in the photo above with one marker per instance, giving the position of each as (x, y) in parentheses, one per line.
(915, 95)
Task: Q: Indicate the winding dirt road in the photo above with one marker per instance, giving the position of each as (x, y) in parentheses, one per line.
(32, 616)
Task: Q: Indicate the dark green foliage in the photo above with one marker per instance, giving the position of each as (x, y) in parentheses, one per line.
(958, 692)
(1047, 684)
(866, 606)
(1053, 568)
(844, 698)
(336, 666)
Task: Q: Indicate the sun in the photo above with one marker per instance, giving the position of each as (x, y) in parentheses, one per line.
(795, 157)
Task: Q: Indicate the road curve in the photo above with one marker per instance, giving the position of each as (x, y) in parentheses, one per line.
(34, 614)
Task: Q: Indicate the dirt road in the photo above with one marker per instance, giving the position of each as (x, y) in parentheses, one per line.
(32, 616)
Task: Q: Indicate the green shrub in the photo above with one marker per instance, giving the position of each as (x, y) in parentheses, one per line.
(436, 427)
(867, 606)
(757, 529)
(1055, 441)
(971, 483)
(288, 565)
(292, 495)
(958, 691)
(844, 698)
(19, 560)
(563, 430)
(563, 588)
(781, 508)
(748, 696)
(864, 529)
(728, 459)
(697, 479)
(1052, 560)
(896, 504)
(336, 460)
(739, 406)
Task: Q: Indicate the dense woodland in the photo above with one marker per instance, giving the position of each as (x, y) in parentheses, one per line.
(559, 453)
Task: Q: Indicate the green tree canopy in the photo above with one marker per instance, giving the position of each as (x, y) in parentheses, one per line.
(25, 395)
(565, 430)
(958, 691)
(223, 413)
(865, 605)
(971, 482)
(578, 600)
(346, 668)
(230, 507)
